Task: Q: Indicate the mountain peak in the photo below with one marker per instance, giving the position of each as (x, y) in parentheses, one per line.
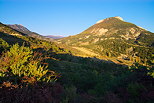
(19, 27)
(117, 17)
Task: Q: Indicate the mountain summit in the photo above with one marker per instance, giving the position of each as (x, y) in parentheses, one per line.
(19, 27)
(117, 17)
(114, 26)
(113, 37)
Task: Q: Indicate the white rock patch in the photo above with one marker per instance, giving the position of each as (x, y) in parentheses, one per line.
(120, 18)
(95, 40)
(99, 21)
(137, 34)
(132, 30)
(102, 31)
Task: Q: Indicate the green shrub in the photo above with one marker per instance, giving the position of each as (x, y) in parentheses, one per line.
(25, 66)
(3, 45)
(134, 89)
(70, 95)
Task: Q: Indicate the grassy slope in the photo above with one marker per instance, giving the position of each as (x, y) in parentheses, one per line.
(83, 80)
(111, 44)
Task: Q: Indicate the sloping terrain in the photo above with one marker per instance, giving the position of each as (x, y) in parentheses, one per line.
(37, 71)
(113, 37)
(6, 29)
(24, 30)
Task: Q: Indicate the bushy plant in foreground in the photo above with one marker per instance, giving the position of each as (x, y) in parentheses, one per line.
(3, 45)
(21, 64)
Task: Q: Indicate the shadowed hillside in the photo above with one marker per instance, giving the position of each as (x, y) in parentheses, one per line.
(38, 71)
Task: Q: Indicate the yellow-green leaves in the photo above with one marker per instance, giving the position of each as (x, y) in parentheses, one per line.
(23, 63)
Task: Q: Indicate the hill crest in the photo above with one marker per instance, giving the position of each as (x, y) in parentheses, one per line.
(117, 17)
(112, 37)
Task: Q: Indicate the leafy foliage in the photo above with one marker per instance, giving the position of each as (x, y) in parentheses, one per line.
(29, 69)
(97, 81)
(3, 45)
(19, 63)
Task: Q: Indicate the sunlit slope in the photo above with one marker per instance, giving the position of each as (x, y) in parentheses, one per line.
(113, 37)
(26, 31)
(12, 36)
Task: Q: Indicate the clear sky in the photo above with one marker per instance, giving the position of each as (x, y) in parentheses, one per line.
(70, 17)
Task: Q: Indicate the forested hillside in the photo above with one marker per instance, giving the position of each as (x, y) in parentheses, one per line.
(38, 71)
(114, 38)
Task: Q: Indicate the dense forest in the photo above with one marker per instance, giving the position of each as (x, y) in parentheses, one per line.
(33, 70)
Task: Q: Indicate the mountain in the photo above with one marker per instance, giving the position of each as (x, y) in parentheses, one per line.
(24, 30)
(54, 36)
(6, 29)
(20, 28)
(38, 71)
(21, 35)
(112, 37)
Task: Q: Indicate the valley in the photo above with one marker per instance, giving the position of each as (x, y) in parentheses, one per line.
(112, 59)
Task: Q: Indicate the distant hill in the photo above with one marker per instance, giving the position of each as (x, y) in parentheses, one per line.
(20, 28)
(12, 34)
(24, 30)
(33, 70)
(6, 29)
(113, 37)
(54, 36)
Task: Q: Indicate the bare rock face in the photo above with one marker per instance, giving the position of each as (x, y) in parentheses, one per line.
(99, 21)
(102, 31)
(99, 31)
(19, 27)
(132, 30)
(117, 17)
(95, 40)
(120, 18)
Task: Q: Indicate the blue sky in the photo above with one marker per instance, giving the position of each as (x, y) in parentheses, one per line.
(70, 17)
